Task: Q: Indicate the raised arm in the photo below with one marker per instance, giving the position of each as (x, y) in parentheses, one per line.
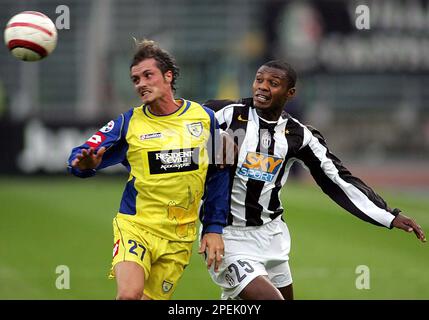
(104, 148)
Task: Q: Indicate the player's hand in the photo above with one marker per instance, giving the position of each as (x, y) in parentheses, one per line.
(229, 151)
(408, 224)
(213, 244)
(88, 159)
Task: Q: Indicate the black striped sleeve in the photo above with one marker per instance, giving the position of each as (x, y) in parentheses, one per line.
(339, 184)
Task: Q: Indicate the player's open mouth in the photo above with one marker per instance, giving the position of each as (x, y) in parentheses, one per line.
(261, 98)
(144, 93)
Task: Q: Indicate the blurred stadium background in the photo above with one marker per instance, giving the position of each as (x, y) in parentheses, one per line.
(365, 90)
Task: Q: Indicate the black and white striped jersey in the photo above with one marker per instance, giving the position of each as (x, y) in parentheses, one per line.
(267, 151)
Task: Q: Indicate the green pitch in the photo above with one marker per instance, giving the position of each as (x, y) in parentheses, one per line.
(50, 222)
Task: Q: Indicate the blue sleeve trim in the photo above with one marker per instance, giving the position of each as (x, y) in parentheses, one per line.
(213, 122)
(81, 173)
(213, 228)
(214, 141)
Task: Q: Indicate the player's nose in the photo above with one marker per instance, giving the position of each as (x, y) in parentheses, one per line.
(140, 85)
(262, 86)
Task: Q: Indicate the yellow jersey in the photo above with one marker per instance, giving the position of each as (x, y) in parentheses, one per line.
(168, 159)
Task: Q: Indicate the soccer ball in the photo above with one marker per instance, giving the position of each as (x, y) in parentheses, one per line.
(30, 35)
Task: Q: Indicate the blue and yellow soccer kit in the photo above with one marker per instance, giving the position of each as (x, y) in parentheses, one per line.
(168, 162)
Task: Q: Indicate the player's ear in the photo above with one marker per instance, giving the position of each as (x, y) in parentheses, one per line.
(168, 76)
(291, 92)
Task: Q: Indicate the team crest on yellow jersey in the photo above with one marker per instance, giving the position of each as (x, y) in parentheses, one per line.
(195, 128)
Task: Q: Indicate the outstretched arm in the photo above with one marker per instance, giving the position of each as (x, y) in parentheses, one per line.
(348, 191)
(104, 148)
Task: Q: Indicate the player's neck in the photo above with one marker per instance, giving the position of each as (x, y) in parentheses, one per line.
(270, 115)
(164, 106)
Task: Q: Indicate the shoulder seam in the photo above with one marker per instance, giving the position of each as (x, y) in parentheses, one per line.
(232, 105)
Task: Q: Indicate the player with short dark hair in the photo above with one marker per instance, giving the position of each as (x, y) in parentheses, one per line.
(257, 241)
(165, 144)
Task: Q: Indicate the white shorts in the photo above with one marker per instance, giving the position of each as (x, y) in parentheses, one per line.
(251, 252)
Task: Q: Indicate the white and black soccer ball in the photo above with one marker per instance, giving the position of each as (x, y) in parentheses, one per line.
(30, 36)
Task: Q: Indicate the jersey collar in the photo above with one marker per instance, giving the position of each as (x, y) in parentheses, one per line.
(185, 104)
(283, 117)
